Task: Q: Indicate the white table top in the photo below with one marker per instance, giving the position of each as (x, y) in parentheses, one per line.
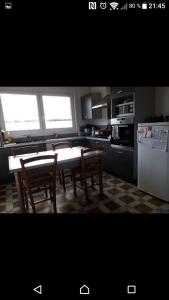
(64, 155)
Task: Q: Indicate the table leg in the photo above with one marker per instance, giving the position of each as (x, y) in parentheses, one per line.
(20, 191)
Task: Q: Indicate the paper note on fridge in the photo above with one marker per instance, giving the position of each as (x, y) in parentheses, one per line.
(160, 139)
(149, 132)
(160, 134)
(160, 144)
(144, 132)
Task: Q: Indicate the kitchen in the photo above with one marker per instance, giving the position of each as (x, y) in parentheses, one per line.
(88, 117)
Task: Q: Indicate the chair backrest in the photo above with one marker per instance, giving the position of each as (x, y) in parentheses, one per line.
(61, 145)
(52, 168)
(92, 159)
(24, 150)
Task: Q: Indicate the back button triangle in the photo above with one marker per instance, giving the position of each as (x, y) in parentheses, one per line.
(38, 289)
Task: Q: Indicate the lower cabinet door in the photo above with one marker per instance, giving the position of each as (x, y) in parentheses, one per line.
(78, 142)
(122, 163)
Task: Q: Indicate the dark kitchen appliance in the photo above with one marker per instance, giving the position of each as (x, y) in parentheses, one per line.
(123, 132)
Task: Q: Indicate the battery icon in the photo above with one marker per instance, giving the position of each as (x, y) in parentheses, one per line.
(144, 5)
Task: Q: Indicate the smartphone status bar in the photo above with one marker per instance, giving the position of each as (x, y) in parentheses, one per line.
(116, 6)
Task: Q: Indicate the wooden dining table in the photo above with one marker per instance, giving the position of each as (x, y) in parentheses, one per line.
(67, 158)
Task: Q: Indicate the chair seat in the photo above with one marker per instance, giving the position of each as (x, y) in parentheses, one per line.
(38, 181)
(78, 173)
(67, 172)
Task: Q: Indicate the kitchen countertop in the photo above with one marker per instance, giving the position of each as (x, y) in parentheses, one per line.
(53, 141)
(96, 138)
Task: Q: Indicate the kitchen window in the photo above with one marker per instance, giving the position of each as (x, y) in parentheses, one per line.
(57, 112)
(20, 112)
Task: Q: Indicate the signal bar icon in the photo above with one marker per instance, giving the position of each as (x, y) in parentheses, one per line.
(124, 7)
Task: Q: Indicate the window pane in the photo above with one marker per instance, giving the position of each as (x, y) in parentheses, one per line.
(57, 111)
(20, 112)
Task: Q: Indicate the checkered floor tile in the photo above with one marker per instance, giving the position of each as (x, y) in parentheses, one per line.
(119, 197)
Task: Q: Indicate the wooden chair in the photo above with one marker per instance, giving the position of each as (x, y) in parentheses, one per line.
(91, 168)
(61, 145)
(45, 180)
(25, 150)
(63, 173)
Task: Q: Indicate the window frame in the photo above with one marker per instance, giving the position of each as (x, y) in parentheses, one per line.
(43, 130)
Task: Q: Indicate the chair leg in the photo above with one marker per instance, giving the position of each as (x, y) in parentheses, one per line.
(101, 185)
(85, 187)
(26, 202)
(71, 175)
(54, 200)
(46, 192)
(25, 199)
(74, 186)
(32, 202)
(63, 180)
(92, 181)
(81, 181)
(60, 177)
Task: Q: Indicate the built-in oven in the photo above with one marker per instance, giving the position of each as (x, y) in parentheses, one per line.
(122, 132)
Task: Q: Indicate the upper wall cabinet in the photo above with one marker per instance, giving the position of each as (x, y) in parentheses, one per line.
(117, 90)
(121, 90)
(88, 105)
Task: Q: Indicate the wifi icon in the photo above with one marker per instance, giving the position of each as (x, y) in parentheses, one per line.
(114, 5)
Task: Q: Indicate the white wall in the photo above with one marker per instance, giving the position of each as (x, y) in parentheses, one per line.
(162, 101)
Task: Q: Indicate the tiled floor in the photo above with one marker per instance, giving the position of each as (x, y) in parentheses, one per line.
(119, 197)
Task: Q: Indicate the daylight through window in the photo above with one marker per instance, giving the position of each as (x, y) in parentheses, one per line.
(20, 112)
(57, 112)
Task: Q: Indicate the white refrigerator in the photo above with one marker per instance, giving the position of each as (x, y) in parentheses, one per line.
(153, 159)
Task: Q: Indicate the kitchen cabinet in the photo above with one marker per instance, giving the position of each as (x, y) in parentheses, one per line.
(87, 102)
(121, 162)
(109, 109)
(86, 106)
(121, 91)
(4, 167)
(78, 142)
